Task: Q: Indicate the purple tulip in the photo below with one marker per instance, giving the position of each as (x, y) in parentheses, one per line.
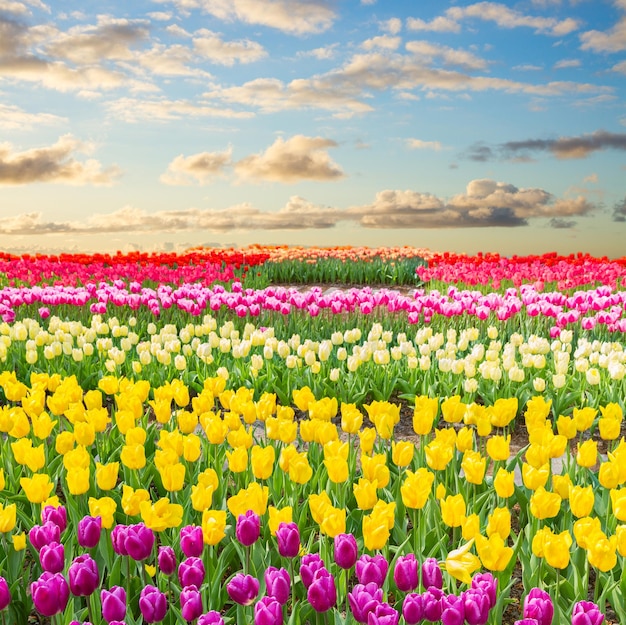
(248, 528)
(58, 516)
(372, 569)
(118, 539)
(453, 612)
(587, 613)
(152, 604)
(212, 617)
(383, 614)
(288, 537)
(433, 604)
(191, 541)
(346, 551)
(5, 594)
(52, 557)
(50, 593)
(527, 621)
(191, 572)
(243, 589)
(79, 623)
(267, 611)
(363, 599)
(322, 593)
(310, 564)
(40, 535)
(89, 531)
(477, 605)
(113, 603)
(277, 584)
(538, 605)
(166, 560)
(138, 541)
(117, 623)
(405, 573)
(413, 608)
(431, 574)
(83, 576)
(190, 603)
(488, 584)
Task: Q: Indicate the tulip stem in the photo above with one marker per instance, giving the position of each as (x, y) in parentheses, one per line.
(3, 617)
(89, 608)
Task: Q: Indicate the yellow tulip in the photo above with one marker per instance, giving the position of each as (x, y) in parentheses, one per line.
(132, 499)
(453, 510)
(302, 398)
(19, 541)
(609, 474)
(105, 508)
(499, 522)
(609, 428)
(201, 497)
(162, 515)
(375, 531)
(416, 488)
(557, 549)
(618, 503)
(237, 459)
(64, 442)
(213, 526)
(503, 412)
(334, 522)
(402, 453)
(318, 505)
(587, 454)
(254, 498)
(504, 483)
(474, 466)
(535, 478)
(453, 409)
(581, 500)
(262, 461)
(133, 456)
(278, 516)
(78, 480)
(8, 518)
(365, 493)
(566, 426)
(300, 471)
(367, 438)
(465, 439)
(84, 433)
(37, 488)
(460, 563)
(43, 425)
(173, 477)
(585, 529)
(562, 485)
(471, 527)
(493, 552)
(375, 468)
(583, 417)
(351, 418)
(438, 455)
(106, 475)
(337, 469)
(601, 552)
(620, 533)
(2, 480)
(543, 504)
(498, 447)
(192, 447)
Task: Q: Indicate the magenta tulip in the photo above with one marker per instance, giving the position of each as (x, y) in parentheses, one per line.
(89, 531)
(191, 541)
(52, 557)
(363, 599)
(322, 593)
(5, 594)
(152, 604)
(268, 611)
(288, 538)
(277, 584)
(372, 569)
(248, 528)
(113, 603)
(405, 573)
(166, 560)
(345, 550)
(190, 603)
(57, 515)
(50, 593)
(191, 572)
(243, 589)
(83, 576)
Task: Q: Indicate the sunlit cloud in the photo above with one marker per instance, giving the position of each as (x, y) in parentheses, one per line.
(13, 117)
(291, 160)
(54, 164)
(200, 168)
(419, 144)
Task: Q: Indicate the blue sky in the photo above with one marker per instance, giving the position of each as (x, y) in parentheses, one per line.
(164, 124)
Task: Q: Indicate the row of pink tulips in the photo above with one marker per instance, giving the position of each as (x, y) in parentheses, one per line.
(600, 305)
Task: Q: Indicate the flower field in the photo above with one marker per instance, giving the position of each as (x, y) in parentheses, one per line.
(290, 435)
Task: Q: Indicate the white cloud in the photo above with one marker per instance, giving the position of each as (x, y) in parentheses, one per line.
(449, 56)
(383, 42)
(437, 25)
(211, 46)
(419, 144)
(15, 118)
(200, 168)
(612, 40)
(297, 158)
(392, 26)
(567, 63)
(56, 164)
(297, 17)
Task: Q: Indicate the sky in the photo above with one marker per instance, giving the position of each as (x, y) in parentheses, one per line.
(456, 126)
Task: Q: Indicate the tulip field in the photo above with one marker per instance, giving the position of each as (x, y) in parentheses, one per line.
(331, 436)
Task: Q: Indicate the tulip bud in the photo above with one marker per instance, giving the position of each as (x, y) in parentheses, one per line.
(248, 528)
(587, 613)
(322, 593)
(40, 535)
(191, 572)
(190, 603)
(191, 541)
(288, 538)
(413, 608)
(405, 573)
(363, 599)
(118, 535)
(50, 593)
(138, 541)
(431, 574)
(372, 569)
(278, 584)
(113, 604)
(57, 515)
(268, 611)
(83, 576)
(166, 560)
(538, 605)
(52, 557)
(346, 550)
(212, 617)
(5, 594)
(243, 589)
(89, 531)
(310, 564)
(152, 604)
(383, 614)
(488, 585)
